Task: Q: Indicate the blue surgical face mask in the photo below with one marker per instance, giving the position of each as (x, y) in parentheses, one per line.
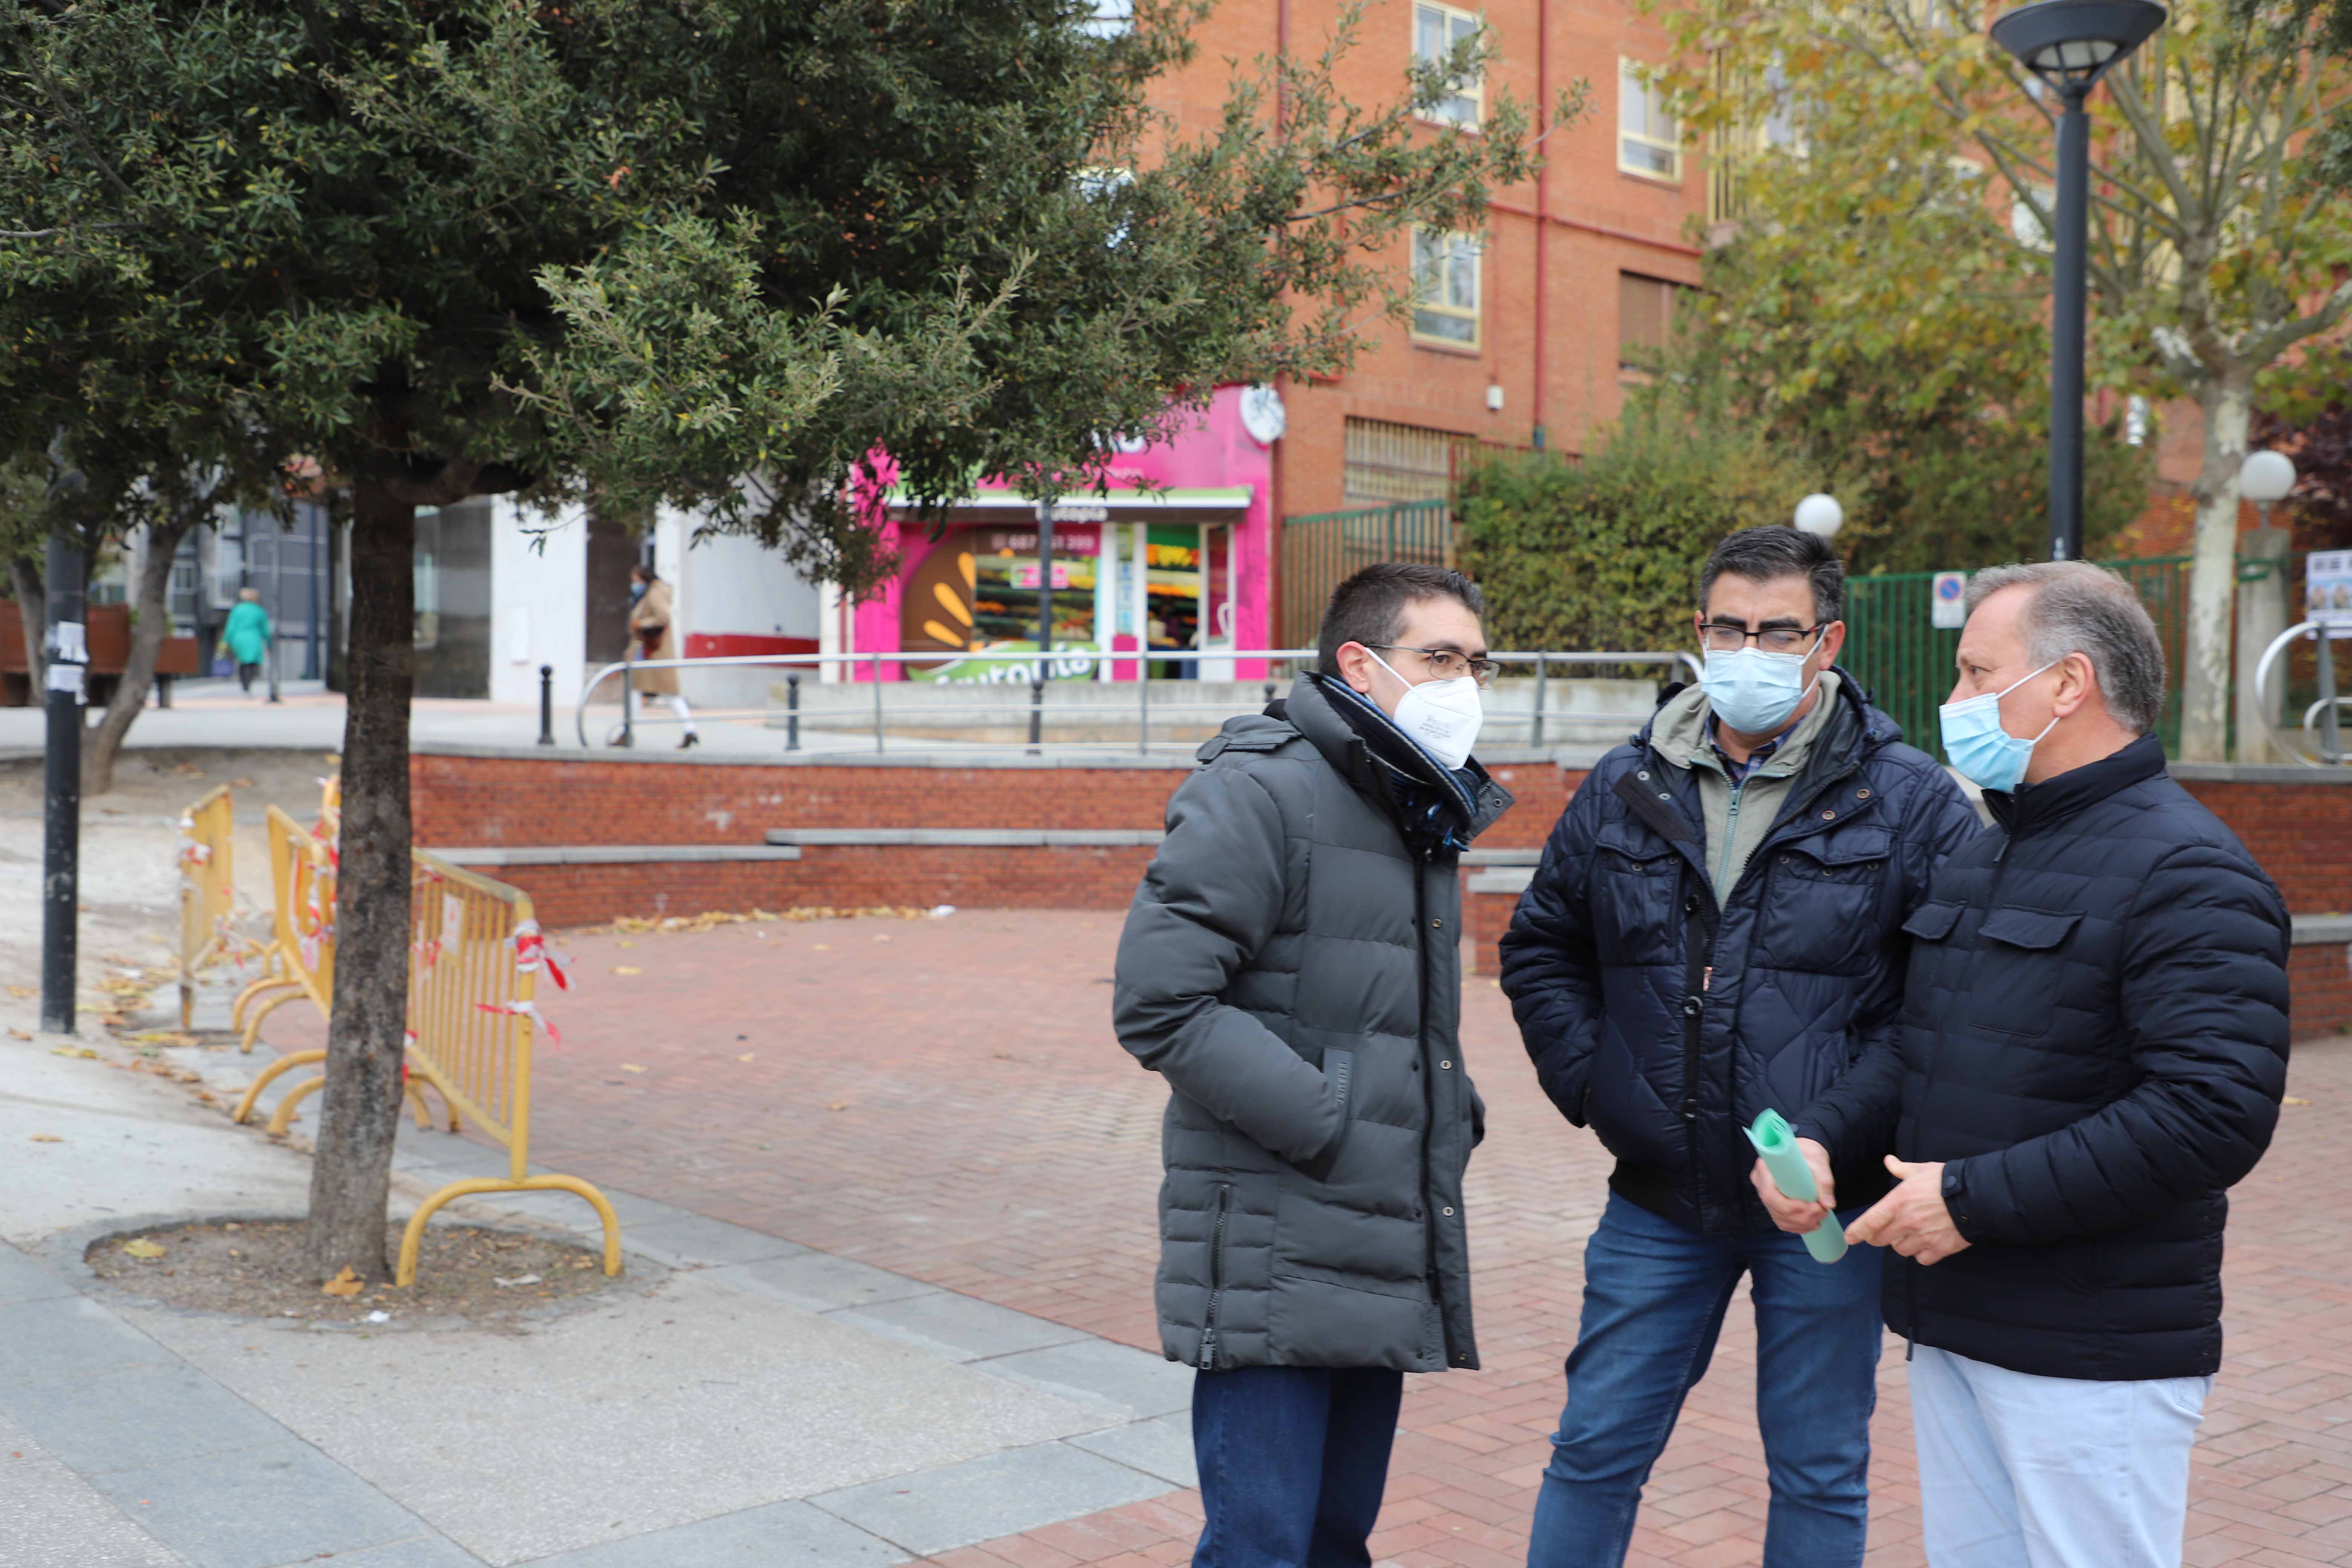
(1985, 754)
(1753, 691)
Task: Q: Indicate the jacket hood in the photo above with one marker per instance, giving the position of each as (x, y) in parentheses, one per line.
(1368, 750)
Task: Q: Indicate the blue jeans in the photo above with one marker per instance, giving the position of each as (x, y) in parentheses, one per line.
(1293, 1462)
(1654, 1296)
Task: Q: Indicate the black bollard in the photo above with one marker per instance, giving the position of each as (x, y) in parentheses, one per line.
(547, 704)
(791, 712)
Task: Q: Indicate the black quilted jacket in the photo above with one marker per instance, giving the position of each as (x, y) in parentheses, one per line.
(1667, 1026)
(2093, 1041)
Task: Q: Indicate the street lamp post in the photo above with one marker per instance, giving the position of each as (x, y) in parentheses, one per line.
(2070, 45)
(2265, 478)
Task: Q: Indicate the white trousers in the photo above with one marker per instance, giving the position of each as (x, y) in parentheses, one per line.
(2021, 1471)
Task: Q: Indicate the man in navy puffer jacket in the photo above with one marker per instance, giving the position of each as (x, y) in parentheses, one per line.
(2093, 1048)
(1716, 930)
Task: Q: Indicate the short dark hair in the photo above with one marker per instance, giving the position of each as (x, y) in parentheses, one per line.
(1370, 606)
(1765, 554)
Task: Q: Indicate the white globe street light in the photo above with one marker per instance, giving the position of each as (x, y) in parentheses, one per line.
(1819, 514)
(2266, 478)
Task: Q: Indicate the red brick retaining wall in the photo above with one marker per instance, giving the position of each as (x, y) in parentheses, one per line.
(840, 877)
(503, 802)
(506, 802)
(2320, 976)
(2302, 834)
(2299, 831)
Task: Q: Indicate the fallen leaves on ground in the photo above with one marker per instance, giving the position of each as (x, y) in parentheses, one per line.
(20, 1035)
(21, 992)
(142, 1247)
(2295, 1099)
(631, 1066)
(744, 1057)
(344, 1284)
(711, 919)
(627, 969)
(47, 1138)
(73, 1051)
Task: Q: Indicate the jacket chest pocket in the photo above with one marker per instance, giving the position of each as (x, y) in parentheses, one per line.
(1637, 912)
(1820, 908)
(2019, 978)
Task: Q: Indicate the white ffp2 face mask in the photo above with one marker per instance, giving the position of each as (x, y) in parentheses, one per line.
(1444, 715)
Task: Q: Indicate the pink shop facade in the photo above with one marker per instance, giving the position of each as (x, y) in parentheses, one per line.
(1169, 572)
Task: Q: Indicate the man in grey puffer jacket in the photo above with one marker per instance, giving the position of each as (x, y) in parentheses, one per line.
(1291, 965)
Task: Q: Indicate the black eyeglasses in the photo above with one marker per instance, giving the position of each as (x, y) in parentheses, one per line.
(1721, 637)
(1445, 663)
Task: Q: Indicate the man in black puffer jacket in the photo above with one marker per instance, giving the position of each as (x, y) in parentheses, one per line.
(1715, 932)
(2093, 1048)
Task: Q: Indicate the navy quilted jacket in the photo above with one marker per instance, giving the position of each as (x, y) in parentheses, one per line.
(2093, 1041)
(1667, 1026)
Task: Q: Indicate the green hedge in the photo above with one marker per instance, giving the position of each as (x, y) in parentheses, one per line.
(1605, 552)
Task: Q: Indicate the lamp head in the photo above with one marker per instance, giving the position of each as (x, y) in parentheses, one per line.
(1819, 514)
(2266, 477)
(2070, 44)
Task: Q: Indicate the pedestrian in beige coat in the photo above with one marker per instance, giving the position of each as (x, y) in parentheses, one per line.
(653, 621)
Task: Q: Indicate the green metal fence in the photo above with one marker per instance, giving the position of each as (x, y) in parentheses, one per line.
(1322, 550)
(1894, 649)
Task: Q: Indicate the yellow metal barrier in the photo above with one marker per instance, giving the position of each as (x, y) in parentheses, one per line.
(300, 962)
(475, 959)
(207, 896)
(301, 955)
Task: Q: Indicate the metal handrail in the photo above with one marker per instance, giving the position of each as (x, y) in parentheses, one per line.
(2322, 721)
(1542, 661)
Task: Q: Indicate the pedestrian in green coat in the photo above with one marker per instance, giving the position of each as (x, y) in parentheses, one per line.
(246, 638)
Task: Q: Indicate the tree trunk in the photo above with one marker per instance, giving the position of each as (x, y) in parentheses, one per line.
(350, 1179)
(2227, 402)
(33, 611)
(150, 624)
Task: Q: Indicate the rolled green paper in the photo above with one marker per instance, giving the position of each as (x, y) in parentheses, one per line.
(1777, 1147)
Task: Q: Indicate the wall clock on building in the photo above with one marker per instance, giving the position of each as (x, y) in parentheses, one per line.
(1263, 415)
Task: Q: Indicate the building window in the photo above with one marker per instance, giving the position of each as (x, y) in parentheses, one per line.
(1109, 19)
(1646, 319)
(1445, 287)
(1648, 141)
(1437, 31)
(1382, 462)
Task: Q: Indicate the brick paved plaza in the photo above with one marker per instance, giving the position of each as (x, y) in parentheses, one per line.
(943, 1097)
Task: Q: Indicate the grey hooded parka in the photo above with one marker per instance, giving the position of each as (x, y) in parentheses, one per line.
(1291, 965)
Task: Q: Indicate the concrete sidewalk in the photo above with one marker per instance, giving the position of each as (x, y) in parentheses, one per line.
(311, 719)
(736, 1400)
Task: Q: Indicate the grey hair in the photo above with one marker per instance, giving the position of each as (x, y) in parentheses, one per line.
(2077, 608)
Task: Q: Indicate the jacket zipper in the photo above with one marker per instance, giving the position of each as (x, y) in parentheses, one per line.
(1730, 838)
(1216, 1277)
(1428, 1099)
(1928, 1080)
(1698, 936)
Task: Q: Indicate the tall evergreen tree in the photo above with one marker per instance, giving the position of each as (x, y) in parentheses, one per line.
(634, 250)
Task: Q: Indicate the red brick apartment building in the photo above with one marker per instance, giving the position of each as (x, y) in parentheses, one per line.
(1521, 343)
(1516, 340)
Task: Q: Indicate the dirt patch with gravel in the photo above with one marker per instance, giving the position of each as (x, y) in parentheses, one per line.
(253, 1268)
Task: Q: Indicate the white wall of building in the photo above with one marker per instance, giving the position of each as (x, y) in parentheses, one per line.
(539, 595)
(732, 588)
